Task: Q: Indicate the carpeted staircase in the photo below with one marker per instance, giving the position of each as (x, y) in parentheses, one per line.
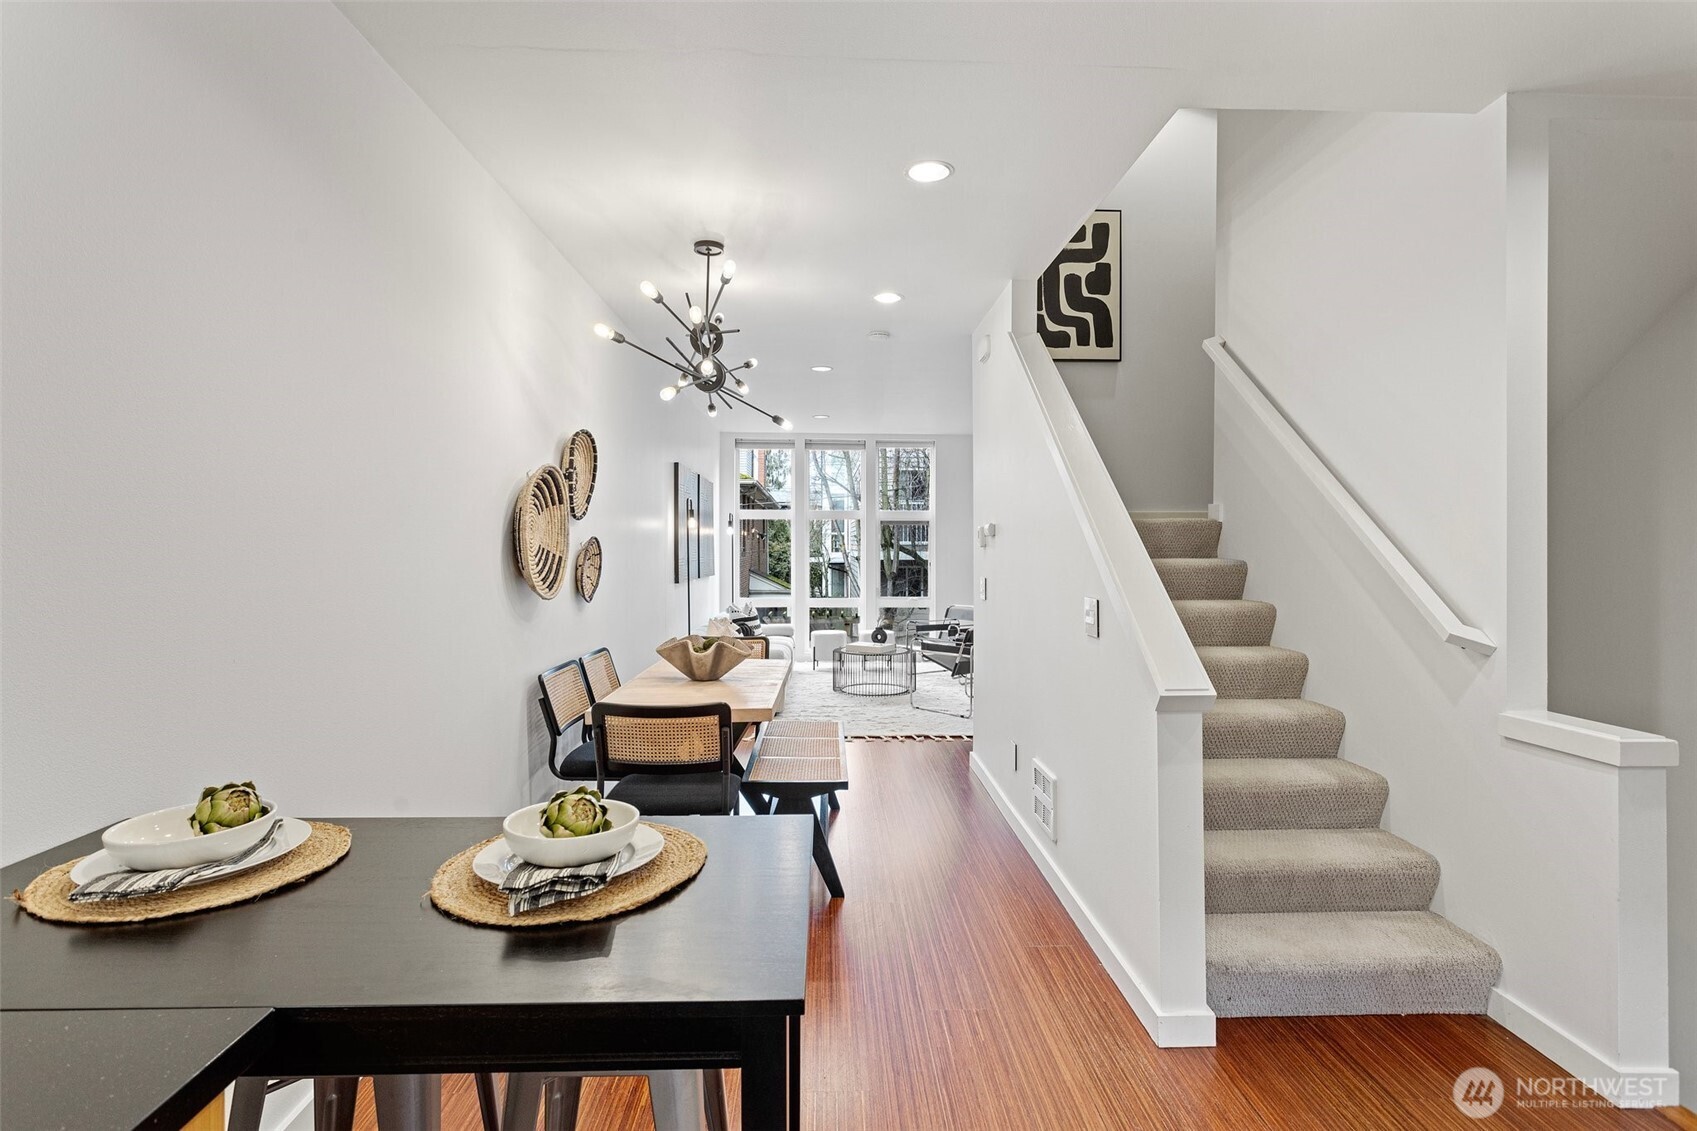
(1312, 908)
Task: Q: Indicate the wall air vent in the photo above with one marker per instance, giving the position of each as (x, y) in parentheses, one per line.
(1043, 797)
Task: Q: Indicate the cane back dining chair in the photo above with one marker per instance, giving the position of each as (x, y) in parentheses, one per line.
(671, 761)
(565, 703)
(602, 675)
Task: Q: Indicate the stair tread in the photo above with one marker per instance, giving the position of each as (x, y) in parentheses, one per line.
(1305, 849)
(1259, 671)
(1265, 870)
(1225, 621)
(1202, 578)
(1291, 793)
(1271, 728)
(1315, 963)
(1220, 604)
(1246, 652)
(1179, 536)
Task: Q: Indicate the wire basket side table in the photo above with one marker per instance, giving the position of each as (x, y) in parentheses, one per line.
(873, 669)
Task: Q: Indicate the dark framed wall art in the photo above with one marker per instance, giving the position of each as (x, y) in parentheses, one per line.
(1078, 297)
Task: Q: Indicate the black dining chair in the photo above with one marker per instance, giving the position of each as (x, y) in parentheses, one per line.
(670, 761)
(565, 703)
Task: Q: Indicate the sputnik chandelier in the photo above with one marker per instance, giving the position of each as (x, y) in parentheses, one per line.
(700, 368)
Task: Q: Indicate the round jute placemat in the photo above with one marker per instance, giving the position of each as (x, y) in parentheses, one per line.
(460, 893)
(48, 895)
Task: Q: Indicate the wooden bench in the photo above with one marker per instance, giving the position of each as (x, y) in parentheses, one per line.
(801, 764)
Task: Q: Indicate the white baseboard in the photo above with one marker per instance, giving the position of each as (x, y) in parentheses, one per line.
(1623, 1087)
(1169, 1030)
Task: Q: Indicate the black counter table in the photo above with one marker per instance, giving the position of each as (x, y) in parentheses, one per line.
(114, 1069)
(365, 977)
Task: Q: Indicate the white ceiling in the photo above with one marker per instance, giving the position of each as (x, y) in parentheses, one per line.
(1623, 242)
(626, 130)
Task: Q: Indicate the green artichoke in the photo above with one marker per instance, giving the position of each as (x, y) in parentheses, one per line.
(226, 807)
(578, 813)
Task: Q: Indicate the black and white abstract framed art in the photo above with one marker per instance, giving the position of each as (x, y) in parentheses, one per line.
(1078, 297)
(692, 524)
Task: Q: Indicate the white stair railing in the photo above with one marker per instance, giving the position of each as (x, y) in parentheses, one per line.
(1445, 622)
(1138, 595)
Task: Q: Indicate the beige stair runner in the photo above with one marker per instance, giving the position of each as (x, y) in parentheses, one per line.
(1312, 908)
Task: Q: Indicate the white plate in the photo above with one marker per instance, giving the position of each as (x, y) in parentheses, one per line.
(489, 864)
(291, 836)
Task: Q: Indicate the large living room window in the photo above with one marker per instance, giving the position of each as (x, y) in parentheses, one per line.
(836, 490)
(904, 532)
(765, 542)
(835, 533)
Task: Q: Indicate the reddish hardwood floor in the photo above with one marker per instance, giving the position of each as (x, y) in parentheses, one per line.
(951, 991)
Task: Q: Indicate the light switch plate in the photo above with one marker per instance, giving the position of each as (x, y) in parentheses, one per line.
(983, 588)
(1092, 617)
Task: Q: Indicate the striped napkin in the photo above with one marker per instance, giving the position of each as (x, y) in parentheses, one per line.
(531, 887)
(132, 885)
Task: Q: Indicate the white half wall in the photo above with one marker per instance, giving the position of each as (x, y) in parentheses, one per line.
(1363, 280)
(1152, 412)
(278, 356)
(1127, 857)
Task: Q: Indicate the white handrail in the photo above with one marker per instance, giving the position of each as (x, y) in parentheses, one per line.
(1450, 628)
(1135, 591)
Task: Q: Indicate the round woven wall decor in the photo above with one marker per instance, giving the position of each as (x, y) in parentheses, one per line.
(589, 569)
(578, 460)
(541, 523)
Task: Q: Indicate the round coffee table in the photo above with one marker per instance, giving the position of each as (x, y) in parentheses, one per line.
(873, 669)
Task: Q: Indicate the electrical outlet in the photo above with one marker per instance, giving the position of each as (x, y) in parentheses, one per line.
(983, 588)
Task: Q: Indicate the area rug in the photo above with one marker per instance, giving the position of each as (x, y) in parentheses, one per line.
(809, 696)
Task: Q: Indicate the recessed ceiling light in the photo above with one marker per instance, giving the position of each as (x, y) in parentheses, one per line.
(821, 369)
(929, 172)
(886, 297)
(878, 335)
(821, 416)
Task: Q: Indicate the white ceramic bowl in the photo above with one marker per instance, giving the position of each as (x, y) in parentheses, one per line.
(165, 839)
(523, 831)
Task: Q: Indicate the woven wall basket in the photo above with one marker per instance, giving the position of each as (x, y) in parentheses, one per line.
(589, 569)
(578, 460)
(541, 525)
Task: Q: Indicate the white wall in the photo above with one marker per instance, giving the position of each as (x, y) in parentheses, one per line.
(1622, 465)
(1372, 313)
(1623, 589)
(278, 356)
(1152, 412)
(1362, 281)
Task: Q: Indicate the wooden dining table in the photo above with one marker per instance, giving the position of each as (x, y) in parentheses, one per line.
(754, 689)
